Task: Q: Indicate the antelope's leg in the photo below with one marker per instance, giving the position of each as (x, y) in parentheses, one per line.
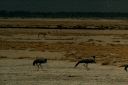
(86, 65)
(38, 67)
(41, 66)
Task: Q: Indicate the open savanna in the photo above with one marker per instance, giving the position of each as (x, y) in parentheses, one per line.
(22, 40)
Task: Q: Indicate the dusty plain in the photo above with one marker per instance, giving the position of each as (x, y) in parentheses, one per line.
(21, 42)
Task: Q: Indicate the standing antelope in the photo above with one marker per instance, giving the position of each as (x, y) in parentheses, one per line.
(86, 61)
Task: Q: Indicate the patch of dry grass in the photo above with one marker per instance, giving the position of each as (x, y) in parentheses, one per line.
(64, 40)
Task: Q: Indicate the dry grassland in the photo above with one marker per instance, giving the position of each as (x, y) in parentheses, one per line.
(63, 47)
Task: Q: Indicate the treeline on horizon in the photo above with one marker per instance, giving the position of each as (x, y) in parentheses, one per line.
(27, 14)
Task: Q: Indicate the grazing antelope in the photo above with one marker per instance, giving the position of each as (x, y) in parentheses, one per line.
(39, 61)
(86, 61)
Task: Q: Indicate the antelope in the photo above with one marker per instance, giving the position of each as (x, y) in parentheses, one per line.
(39, 61)
(86, 61)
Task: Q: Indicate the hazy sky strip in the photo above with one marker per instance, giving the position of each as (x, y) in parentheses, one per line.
(65, 5)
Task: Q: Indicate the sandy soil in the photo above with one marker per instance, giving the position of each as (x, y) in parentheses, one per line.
(63, 48)
(21, 72)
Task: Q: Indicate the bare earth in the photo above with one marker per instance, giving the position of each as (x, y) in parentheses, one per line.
(63, 48)
(21, 72)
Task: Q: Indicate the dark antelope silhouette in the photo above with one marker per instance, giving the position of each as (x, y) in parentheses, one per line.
(86, 61)
(39, 61)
